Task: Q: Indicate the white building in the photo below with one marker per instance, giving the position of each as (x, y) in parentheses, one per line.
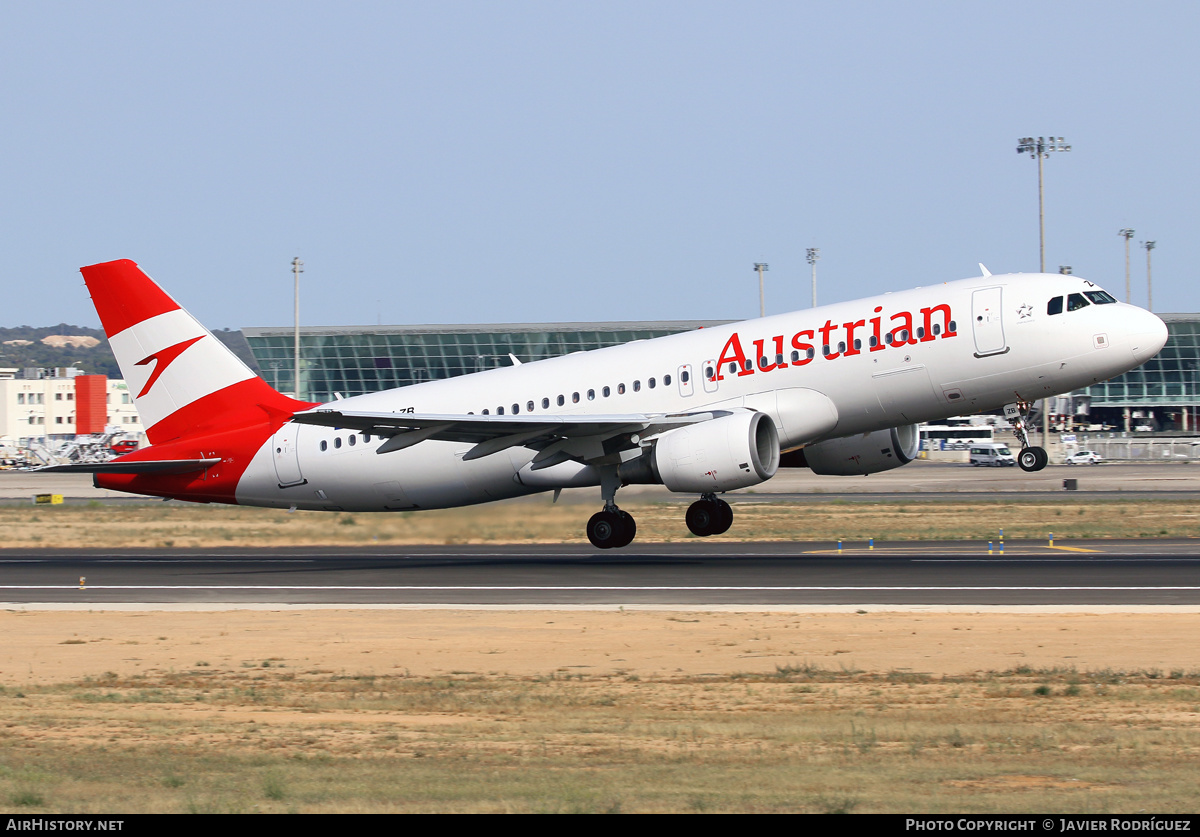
(44, 405)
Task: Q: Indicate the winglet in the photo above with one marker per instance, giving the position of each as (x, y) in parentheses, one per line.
(984, 270)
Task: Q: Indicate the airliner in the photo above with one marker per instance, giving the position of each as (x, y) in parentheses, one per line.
(839, 389)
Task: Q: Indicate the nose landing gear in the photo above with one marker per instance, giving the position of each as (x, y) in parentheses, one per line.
(1030, 458)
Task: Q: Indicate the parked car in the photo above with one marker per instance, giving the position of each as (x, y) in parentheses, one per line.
(1083, 457)
(991, 453)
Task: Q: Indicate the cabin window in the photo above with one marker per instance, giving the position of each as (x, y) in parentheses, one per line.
(920, 332)
(529, 406)
(795, 356)
(561, 400)
(1098, 297)
(620, 389)
(545, 403)
(591, 395)
(367, 436)
(709, 373)
(684, 376)
(637, 386)
(873, 342)
(888, 338)
(733, 367)
(749, 366)
(762, 362)
(841, 346)
(516, 409)
(485, 412)
(811, 353)
(666, 380)
(337, 442)
(499, 411)
(1055, 306)
(353, 441)
(651, 383)
(606, 392)
(1076, 301)
(953, 327)
(937, 329)
(825, 350)
(779, 360)
(857, 344)
(574, 398)
(324, 445)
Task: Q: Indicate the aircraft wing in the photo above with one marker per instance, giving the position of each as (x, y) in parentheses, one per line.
(557, 438)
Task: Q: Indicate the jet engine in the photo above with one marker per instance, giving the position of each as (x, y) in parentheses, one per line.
(733, 451)
(866, 453)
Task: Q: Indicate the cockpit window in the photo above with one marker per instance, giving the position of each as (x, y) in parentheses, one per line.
(1099, 297)
(1076, 301)
(1055, 306)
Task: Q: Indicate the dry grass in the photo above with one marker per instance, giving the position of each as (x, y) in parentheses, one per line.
(537, 521)
(273, 738)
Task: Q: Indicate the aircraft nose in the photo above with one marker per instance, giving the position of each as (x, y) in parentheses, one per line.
(1147, 336)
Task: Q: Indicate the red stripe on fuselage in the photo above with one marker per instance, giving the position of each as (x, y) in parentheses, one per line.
(232, 423)
(123, 295)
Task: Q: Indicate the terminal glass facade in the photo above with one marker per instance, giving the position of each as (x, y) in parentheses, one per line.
(1170, 379)
(357, 360)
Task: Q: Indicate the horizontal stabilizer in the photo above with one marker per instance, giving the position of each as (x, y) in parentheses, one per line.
(153, 466)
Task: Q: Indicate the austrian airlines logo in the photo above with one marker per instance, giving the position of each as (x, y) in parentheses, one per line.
(165, 358)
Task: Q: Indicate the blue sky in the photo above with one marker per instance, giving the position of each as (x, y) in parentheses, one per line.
(528, 161)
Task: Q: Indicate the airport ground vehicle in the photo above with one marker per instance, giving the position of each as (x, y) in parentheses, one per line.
(1083, 457)
(992, 453)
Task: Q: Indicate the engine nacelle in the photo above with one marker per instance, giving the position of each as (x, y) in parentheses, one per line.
(733, 451)
(866, 453)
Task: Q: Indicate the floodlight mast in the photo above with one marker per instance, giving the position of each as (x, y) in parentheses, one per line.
(1039, 148)
(297, 269)
(814, 255)
(1149, 245)
(762, 300)
(1127, 234)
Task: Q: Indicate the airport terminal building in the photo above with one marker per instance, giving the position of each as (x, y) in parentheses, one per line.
(1164, 393)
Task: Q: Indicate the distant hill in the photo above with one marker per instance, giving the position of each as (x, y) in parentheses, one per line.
(23, 346)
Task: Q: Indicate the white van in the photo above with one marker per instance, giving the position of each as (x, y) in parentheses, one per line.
(992, 453)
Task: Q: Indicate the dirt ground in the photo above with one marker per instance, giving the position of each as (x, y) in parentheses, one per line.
(54, 646)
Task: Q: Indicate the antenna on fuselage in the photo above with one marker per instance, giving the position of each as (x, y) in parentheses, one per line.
(985, 271)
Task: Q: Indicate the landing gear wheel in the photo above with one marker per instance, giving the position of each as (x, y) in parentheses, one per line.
(629, 526)
(611, 529)
(724, 518)
(704, 518)
(605, 529)
(1033, 459)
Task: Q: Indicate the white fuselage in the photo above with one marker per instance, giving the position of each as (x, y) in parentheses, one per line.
(954, 348)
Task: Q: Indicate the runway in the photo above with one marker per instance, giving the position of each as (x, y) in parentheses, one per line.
(1141, 572)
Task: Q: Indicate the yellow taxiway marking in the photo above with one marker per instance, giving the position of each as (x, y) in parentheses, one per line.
(1071, 548)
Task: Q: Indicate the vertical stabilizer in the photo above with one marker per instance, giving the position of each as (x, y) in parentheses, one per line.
(185, 382)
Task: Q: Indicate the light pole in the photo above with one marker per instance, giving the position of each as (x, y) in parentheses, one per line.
(762, 300)
(814, 255)
(297, 269)
(1149, 245)
(1127, 234)
(1040, 148)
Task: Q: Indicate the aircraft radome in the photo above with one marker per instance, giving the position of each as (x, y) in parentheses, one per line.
(840, 388)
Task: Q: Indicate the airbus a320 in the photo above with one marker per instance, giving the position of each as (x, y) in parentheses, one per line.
(840, 389)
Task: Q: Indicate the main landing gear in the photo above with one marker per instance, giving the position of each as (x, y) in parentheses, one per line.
(613, 528)
(710, 515)
(1030, 458)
